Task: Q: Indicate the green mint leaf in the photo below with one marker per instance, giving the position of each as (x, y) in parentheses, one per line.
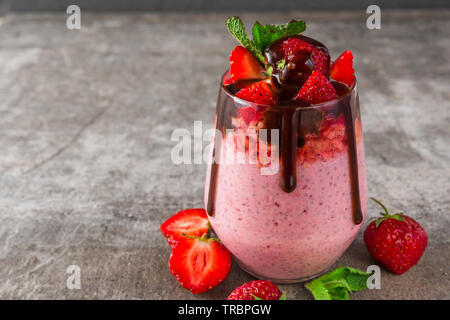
(337, 281)
(269, 71)
(256, 298)
(339, 294)
(281, 64)
(237, 29)
(283, 296)
(263, 36)
(318, 290)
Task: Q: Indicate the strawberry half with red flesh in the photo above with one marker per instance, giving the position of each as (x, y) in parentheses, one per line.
(397, 241)
(199, 263)
(257, 290)
(342, 69)
(244, 66)
(316, 89)
(261, 93)
(191, 222)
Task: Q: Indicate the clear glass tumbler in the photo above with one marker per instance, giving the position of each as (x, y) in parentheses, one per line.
(286, 187)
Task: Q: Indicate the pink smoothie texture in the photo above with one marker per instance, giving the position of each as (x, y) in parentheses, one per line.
(288, 236)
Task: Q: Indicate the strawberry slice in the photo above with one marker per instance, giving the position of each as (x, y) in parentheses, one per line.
(260, 92)
(191, 222)
(317, 89)
(244, 66)
(227, 78)
(200, 264)
(342, 69)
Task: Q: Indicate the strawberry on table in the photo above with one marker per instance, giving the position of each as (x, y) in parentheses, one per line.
(342, 69)
(191, 222)
(317, 89)
(257, 290)
(200, 263)
(244, 66)
(397, 241)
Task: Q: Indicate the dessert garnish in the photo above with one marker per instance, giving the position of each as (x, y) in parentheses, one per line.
(295, 68)
(257, 290)
(395, 240)
(338, 284)
(342, 69)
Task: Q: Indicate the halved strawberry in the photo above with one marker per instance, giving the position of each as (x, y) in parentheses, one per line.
(227, 78)
(244, 66)
(342, 69)
(317, 89)
(260, 92)
(200, 264)
(191, 222)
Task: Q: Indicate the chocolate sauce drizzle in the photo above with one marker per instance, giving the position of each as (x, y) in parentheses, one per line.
(350, 118)
(295, 122)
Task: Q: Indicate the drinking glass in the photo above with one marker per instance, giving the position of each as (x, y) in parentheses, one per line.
(286, 185)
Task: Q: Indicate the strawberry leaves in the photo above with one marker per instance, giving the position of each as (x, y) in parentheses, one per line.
(386, 215)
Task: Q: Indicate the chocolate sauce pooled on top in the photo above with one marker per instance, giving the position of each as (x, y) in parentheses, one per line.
(297, 67)
(288, 116)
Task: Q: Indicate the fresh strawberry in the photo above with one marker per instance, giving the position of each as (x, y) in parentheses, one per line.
(397, 241)
(260, 92)
(199, 263)
(317, 89)
(244, 66)
(321, 61)
(342, 69)
(191, 222)
(294, 46)
(227, 78)
(257, 290)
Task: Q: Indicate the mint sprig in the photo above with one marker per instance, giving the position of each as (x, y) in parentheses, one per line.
(263, 35)
(237, 29)
(338, 284)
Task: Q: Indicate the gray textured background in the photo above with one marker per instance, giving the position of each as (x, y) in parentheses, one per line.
(85, 124)
(217, 5)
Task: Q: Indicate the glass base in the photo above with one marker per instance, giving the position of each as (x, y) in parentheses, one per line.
(283, 281)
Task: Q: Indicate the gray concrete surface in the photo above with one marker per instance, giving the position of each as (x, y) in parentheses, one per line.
(85, 123)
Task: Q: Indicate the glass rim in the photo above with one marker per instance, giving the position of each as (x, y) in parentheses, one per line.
(351, 89)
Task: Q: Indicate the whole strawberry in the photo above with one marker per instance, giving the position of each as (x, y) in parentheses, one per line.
(397, 241)
(257, 290)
